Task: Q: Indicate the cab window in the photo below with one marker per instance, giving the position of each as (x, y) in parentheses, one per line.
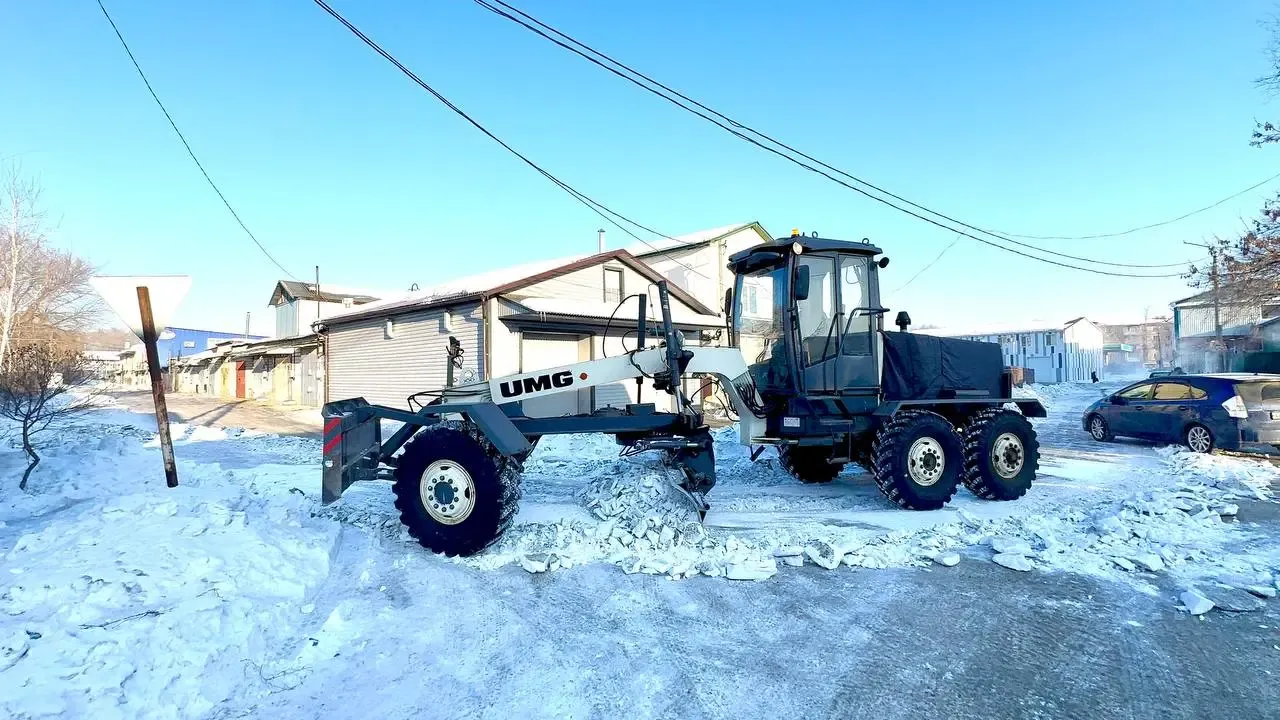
(1137, 392)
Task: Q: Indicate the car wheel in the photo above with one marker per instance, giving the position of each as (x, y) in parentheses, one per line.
(1198, 438)
(1099, 429)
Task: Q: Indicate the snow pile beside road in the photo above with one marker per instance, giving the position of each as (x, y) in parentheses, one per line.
(1176, 515)
(121, 597)
(1063, 397)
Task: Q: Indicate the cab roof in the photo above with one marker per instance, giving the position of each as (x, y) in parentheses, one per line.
(769, 253)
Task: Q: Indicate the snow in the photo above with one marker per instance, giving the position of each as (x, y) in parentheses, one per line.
(238, 583)
(134, 596)
(1195, 603)
(1013, 562)
(949, 559)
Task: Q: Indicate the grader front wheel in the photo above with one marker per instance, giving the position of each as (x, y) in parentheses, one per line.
(456, 493)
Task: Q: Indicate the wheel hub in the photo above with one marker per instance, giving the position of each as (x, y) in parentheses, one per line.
(1099, 430)
(925, 461)
(447, 492)
(1007, 455)
(1198, 439)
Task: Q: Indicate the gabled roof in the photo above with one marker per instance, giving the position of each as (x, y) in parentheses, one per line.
(287, 290)
(506, 280)
(695, 239)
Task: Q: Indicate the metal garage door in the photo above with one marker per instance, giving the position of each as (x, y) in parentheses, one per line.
(545, 351)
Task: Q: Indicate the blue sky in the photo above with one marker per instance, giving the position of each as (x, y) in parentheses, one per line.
(1026, 117)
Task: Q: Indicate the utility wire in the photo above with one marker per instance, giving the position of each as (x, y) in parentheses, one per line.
(926, 267)
(604, 212)
(735, 127)
(1162, 223)
(187, 145)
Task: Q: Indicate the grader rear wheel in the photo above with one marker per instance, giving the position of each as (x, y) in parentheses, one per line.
(809, 464)
(1001, 455)
(916, 460)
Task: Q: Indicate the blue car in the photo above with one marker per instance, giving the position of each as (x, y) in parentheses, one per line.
(1231, 411)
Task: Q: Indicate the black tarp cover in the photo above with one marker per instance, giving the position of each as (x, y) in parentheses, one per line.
(923, 367)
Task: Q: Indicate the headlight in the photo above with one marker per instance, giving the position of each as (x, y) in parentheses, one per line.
(1235, 407)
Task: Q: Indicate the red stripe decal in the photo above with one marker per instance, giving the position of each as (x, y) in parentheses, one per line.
(332, 443)
(333, 423)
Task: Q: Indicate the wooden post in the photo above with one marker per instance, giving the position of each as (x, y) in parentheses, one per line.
(157, 386)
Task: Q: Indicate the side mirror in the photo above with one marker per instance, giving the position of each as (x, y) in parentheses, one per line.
(1117, 400)
(801, 289)
(883, 262)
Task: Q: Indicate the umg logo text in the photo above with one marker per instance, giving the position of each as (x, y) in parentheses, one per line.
(538, 383)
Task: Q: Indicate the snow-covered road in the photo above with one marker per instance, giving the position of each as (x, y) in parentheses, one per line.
(238, 594)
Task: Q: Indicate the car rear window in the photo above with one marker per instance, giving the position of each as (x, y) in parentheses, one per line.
(1259, 392)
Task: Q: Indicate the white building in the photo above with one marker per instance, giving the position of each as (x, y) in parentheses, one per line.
(299, 304)
(699, 262)
(513, 320)
(1066, 352)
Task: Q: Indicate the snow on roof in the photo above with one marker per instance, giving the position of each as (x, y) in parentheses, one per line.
(198, 357)
(625, 317)
(1004, 328)
(103, 355)
(693, 238)
(331, 292)
(461, 287)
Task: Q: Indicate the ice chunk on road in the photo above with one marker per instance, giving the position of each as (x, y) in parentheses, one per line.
(950, 559)
(1233, 599)
(1009, 546)
(1262, 591)
(1124, 564)
(1150, 561)
(825, 555)
(535, 563)
(1013, 562)
(1196, 603)
(755, 569)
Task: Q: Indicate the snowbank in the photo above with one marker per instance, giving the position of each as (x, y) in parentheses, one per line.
(122, 598)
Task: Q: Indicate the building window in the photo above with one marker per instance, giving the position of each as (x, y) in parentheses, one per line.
(448, 321)
(188, 343)
(750, 301)
(612, 285)
(390, 329)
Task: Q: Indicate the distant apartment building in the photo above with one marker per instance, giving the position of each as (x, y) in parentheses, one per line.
(1054, 352)
(1138, 346)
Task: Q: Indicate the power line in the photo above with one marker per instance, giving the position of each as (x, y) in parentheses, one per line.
(187, 145)
(604, 212)
(926, 267)
(735, 127)
(1162, 223)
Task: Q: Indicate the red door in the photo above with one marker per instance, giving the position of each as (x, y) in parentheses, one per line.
(239, 378)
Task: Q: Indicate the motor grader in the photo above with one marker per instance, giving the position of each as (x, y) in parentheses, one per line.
(809, 370)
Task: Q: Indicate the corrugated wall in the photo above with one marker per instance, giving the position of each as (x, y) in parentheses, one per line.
(364, 362)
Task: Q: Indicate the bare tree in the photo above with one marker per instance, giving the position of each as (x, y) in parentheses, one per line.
(44, 291)
(40, 384)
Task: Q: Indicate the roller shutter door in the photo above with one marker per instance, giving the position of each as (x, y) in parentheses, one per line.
(546, 351)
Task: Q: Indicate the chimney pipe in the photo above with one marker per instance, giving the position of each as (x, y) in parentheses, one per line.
(600, 237)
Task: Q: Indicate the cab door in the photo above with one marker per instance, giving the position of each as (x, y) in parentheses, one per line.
(816, 323)
(857, 368)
